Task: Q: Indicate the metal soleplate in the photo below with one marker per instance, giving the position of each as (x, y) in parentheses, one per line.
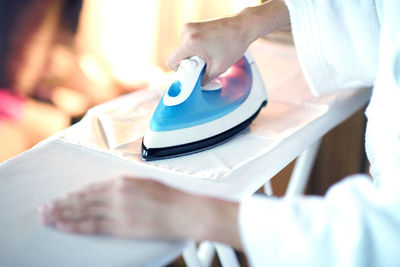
(149, 154)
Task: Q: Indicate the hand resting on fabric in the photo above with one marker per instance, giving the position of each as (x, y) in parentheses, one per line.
(143, 208)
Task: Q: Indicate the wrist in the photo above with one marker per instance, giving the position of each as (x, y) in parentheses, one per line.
(212, 219)
(224, 222)
(258, 21)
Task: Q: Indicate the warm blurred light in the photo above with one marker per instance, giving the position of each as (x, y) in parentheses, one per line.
(93, 69)
(120, 33)
(70, 101)
(135, 38)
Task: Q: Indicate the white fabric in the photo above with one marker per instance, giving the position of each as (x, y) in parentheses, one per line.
(117, 127)
(341, 45)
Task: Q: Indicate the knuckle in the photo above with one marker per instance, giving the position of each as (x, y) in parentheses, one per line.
(189, 27)
(191, 32)
(192, 38)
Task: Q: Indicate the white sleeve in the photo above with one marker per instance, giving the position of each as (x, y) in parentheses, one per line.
(336, 42)
(357, 223)
(383, 112)
(353, 225)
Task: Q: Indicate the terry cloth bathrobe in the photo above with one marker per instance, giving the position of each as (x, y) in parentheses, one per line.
(341, 45)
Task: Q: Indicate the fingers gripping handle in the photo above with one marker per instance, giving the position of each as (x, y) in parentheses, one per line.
(186, 77)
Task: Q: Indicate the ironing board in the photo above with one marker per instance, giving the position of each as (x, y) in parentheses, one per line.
(293, 122)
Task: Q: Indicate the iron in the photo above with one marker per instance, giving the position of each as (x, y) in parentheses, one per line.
(191, 118)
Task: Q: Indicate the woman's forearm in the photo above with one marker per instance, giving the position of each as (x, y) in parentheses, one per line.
(263, 19)
(223, 41)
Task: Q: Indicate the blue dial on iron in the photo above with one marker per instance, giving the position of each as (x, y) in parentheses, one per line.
(175, 89)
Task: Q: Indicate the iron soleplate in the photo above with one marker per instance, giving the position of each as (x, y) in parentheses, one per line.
(149, 154)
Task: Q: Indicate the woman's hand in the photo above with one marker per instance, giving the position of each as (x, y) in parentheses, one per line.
(219, 42)
(143, 208)
(222, 42)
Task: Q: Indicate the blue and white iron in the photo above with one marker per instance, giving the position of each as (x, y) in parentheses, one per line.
(191, 118)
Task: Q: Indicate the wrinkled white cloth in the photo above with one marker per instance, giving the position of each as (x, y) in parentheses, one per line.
(117, 127)
(341, 45)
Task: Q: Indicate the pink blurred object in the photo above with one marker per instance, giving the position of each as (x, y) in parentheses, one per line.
(11, 105)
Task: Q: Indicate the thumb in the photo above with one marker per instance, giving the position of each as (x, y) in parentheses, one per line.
(206, 78)
(210, 73)
(176, 57)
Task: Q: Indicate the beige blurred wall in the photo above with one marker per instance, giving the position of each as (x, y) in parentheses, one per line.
(133, 37)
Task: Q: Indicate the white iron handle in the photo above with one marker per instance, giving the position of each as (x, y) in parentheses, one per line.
(186, 77)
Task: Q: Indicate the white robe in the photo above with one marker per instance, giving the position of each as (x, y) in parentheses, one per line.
(341, 45)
